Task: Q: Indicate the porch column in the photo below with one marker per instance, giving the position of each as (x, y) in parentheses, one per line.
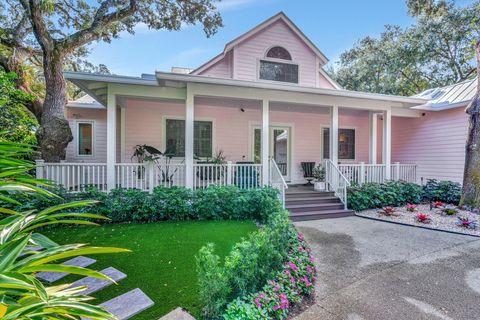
(111, 137)
(189, 123)
(334, 134)
(387, 142)
(373, 138)
(265, 141)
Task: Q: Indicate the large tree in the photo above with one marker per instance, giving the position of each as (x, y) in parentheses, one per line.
(54, 31)
(435, 50)
(471, 177)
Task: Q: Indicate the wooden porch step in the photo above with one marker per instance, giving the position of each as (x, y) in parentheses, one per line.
(308, 194)
(309, 200)
(317, 215)
(314, 207)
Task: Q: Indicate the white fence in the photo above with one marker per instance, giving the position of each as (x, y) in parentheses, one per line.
(74, 176)
(79, 176)
(243, 175)
(336, 181)
(360, 173)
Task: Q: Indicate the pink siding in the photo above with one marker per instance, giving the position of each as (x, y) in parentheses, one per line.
(278, 34)
(231, 130)
(324, 83)
(100, 127)
(221, 69)
(435, 142)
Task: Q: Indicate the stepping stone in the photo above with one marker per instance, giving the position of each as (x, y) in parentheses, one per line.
(128, 304)
(76, 262)
(178, 314)
(95, 284)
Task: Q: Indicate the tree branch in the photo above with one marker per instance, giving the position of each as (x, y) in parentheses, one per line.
(101, 21)
(40, 30)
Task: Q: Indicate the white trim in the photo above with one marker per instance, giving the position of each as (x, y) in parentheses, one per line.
(253, 124)
(339, 128)
(286, 86)
(122, 134)
(261, 26)
(291, 62)
(94, 134)
(206, 119)
(329, 79)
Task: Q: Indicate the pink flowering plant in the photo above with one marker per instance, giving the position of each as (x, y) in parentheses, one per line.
(411, 207)
(289, 285)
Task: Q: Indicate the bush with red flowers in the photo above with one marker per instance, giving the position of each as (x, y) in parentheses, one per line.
(387, 211)
(411, 207)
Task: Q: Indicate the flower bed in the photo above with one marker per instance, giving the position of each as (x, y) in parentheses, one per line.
(263, 277)
(442, 217)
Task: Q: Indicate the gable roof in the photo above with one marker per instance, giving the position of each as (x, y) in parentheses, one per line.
(448, 97)
(278, 17)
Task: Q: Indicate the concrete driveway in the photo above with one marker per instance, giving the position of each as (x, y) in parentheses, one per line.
(377, 270)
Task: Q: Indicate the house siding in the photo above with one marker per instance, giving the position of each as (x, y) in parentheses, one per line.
(100, 138)
(231, 130)
(435, 142)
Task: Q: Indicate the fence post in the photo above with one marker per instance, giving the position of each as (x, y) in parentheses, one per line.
(39, 169)
(397, 171)
(229, 173)
(362, 173)
(149, 168)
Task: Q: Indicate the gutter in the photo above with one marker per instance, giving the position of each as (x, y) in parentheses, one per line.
(190, 78)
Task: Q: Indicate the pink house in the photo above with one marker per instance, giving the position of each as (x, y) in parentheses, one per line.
(266, 102)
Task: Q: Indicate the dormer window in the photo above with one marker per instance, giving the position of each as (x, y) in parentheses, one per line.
(277, 66)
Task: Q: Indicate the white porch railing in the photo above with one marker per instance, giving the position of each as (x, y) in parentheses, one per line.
(336, 181)
(277, 181)
(243, 175)
(360, 173)
(74, 176)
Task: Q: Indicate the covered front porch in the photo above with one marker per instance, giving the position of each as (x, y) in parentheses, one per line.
(263, 131)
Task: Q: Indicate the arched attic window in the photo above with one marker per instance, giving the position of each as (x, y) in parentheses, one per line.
(272, 69)
(279, 53)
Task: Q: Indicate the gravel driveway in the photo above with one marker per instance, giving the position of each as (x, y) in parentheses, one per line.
(377, 270)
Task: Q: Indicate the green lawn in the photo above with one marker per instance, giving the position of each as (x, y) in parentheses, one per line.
(162, 259)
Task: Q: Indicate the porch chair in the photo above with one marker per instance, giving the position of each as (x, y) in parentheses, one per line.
(307, 168)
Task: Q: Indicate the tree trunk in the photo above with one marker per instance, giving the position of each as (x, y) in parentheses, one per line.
(471, 178)
(54, 133)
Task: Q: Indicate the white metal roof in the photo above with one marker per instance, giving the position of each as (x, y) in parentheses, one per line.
(452, 96)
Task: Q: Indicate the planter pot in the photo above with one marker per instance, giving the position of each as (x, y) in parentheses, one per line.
(319, 186)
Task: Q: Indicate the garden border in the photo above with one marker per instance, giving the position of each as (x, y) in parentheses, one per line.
(415, 226)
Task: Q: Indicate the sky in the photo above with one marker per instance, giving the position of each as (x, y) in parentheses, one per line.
(334, 26)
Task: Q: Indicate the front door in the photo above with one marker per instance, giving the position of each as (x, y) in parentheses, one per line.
(279, 148)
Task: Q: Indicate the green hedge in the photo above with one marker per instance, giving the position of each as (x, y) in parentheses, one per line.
(133, 205)
(274, 259)
(399, 193)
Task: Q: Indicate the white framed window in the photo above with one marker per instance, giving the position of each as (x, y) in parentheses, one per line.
(346, 143)
(85, 138)
(175, 138)
(278, 66)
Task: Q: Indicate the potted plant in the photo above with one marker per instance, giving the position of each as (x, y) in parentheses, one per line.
(319, 175)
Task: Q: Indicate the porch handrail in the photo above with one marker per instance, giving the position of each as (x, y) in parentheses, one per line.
(336, 181)
(277, 180)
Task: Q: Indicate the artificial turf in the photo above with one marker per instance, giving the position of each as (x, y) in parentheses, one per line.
(162, 260)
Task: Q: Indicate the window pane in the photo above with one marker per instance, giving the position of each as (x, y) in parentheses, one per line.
(202, 138)
(277, 71)
(346, 144)
(175, 137)
(279, 53)
(85, 138)
(257, 145)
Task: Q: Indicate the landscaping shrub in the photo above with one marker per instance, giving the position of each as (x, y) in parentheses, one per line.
(274, 252)
(445, 191)
(177, 203)
(378, 195)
